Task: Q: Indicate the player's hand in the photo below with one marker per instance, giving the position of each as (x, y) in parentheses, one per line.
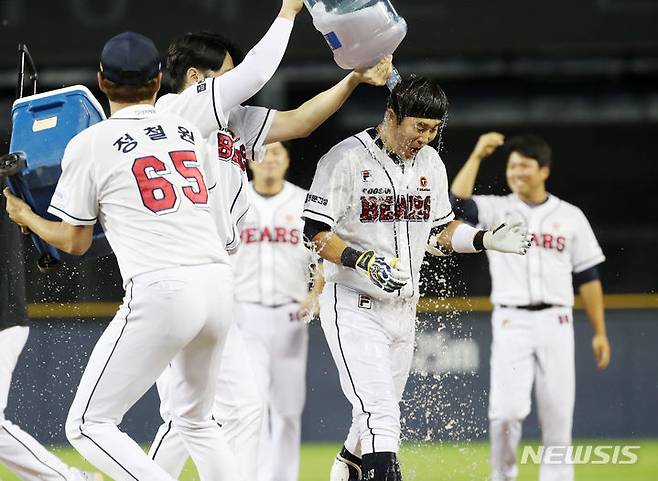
(382, 271)
(309, 308)
(601, 348)
(434, 248)
(376, 75)
(487, 144)
(19, 211)
(290, 8)
(510, 238)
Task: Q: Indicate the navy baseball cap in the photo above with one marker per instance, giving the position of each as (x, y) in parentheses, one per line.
(130, 59)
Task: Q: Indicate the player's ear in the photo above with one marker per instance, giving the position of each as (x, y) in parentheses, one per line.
(99, 78)
(545, 172)
(391, 118)
(158, 82)
(193, 75)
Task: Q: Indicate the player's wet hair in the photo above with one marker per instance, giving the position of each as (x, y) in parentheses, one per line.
(531, 146)
(417, 96)
(130, 94)
(202, 50)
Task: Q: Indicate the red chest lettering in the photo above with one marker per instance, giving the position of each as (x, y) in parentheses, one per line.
(278, 235)
(549, 241)
(386, 208)
(228, 150)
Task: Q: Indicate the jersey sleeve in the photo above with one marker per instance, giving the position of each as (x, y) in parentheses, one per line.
(254, 124)
(75, 199)
(200, 104)
(586, 251)
(331, 191)
(487, 212)
(443, 213)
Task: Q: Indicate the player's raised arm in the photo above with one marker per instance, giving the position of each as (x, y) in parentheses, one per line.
(245, 80)
(302, 121)
(462, 185)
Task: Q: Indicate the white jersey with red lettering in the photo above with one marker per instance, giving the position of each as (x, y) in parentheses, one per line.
(232, 138)
(563, 244)
(532, 323)
(271, 278)
(272, 266)
(145, 177)
(375, 202)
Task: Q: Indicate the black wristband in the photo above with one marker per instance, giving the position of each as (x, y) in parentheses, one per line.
(478, 241)
(349, 257)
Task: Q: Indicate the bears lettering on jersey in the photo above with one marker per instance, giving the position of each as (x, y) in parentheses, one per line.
(388, 208)
(226, 141)
(549, 241)
(276, 234)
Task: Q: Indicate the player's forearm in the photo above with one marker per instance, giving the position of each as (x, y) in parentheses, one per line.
(66, 238)
(301, 122)
(318, 280)
(246, 80)
(464, 182)
(592, 295)
(329, 246)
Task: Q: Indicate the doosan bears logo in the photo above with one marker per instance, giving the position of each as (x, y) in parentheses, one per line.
(228, 149)
(387, 208)
(549, 241)
(280, 235)
(365, 175)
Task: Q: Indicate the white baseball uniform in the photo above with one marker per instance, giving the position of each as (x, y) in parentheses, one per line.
(373, 201)
(19, 451)
(146, 178)
(239, 403)
(533, 325)
(271, 279)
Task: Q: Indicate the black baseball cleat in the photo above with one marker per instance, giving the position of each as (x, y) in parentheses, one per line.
(346, 467)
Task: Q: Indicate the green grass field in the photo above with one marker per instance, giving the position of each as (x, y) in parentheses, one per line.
(439, 462)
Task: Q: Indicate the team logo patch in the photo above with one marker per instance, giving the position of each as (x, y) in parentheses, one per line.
(201, 87)
(364, 302)
(423, 182)
(365, 175)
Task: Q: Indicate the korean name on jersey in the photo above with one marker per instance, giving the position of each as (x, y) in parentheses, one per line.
(373, 201)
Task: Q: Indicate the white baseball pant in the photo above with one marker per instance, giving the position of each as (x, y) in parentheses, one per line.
(19, 451)
(178, 316)
(238, 407)
(531, 347)
(277, 343)
(372, 343)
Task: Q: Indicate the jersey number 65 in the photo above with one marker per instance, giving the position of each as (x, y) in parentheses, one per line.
(158, 194)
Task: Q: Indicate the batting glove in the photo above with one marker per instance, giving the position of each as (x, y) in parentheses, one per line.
(381, 271)
(510, 238)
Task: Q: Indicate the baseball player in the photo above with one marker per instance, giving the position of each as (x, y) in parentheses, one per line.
(532, 322)
(378, 199)
(199, 64)
(146, 177)
(19, 451)
(272, 300)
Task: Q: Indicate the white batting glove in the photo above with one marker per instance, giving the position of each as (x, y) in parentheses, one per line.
(509, 238)
(434, 248)
(382, 271)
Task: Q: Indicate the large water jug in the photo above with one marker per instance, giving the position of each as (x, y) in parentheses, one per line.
(360, 32)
